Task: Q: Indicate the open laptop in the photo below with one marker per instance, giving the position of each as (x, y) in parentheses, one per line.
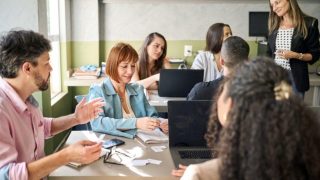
(178, 82)
(187, 126)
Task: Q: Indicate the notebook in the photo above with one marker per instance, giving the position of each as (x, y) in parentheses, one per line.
(187, 127)
(152, 137)
(178, 82)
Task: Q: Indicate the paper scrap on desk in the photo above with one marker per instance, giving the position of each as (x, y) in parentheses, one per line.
(93, 137)
(158, 148)
(154, 161)
(104, 151)
(143, 162)
(139, 162)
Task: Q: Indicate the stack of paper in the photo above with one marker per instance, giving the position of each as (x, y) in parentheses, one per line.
(80, 74)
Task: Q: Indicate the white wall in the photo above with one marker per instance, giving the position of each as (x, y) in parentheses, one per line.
(181, 21)
(18, 14)
(85, 20)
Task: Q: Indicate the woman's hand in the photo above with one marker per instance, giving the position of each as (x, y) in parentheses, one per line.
(147, 123)
(87, 111)
(180, 171)
(286, 54)
(156, 77)
(164, 126)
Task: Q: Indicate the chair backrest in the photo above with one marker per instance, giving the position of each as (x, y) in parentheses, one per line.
(80, 127)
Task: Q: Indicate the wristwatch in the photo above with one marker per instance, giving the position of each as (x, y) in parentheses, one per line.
(300, 56)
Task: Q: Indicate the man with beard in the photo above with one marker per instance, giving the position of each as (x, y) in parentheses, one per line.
(25, 69)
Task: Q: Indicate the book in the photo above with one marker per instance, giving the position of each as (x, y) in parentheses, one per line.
(152, 137)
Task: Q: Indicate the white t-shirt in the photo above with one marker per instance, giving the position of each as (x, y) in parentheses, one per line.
(205, 60)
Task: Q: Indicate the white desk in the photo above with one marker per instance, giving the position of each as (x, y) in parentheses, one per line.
(315, 83)
(81, 82)
(100, 170)
(161, 103)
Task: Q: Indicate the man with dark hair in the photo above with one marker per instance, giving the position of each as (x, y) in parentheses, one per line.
(25, 69)
(234, 51)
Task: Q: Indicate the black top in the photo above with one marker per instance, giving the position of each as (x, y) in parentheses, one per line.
(310, 45)
(204, 90)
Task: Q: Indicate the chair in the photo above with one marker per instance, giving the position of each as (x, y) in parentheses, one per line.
(81, 127)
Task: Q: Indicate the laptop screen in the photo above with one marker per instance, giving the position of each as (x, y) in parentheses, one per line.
(178, 82)
(188, 123)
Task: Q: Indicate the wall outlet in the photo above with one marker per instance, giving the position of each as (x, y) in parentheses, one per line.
(187, 50)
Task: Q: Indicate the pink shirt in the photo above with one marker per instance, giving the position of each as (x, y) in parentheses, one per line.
(23, 130)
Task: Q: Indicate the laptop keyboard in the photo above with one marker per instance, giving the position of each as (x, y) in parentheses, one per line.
(195, 154)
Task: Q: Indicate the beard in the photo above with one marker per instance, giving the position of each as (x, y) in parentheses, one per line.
(43, 84)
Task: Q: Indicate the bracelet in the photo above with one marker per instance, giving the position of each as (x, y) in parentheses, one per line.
(300, 56)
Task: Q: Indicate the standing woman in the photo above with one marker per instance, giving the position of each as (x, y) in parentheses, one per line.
(208, 60)
(152, 58)
(127, 109)
(293, 40)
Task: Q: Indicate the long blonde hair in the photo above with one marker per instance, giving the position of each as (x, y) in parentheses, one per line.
(295, 14)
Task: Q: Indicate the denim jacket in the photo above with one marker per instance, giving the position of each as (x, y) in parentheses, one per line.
(111, 120)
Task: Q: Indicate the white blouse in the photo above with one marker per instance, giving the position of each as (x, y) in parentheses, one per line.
(205, 60)
(283, 42)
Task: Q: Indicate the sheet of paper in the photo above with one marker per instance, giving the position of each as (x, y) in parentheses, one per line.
(139, 162)
(154, 161)
(158, 148)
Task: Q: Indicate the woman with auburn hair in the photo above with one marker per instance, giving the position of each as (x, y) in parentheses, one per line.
(293, 40)
(152, 58)
(208, 60)
(269, 132)
(127, 109)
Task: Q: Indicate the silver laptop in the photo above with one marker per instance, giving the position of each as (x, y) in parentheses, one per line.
(178, 82)
(187, 127)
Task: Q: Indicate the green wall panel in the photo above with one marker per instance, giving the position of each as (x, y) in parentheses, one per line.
(84, 53)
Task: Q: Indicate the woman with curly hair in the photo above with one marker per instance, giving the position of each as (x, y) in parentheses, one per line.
(269, 132)
(152, 58)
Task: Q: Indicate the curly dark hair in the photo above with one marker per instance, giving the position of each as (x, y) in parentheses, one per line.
(18, 47)
(214, 126)
(143, 56)
(267, 138)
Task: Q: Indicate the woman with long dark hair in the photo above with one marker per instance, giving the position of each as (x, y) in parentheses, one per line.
(208, 60)
(152, 58)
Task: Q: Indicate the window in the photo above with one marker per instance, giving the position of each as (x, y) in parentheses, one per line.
(54, 37)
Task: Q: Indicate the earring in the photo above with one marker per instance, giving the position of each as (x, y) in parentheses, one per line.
(224, 117)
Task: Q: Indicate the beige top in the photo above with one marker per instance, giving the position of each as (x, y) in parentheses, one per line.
(131, 113)
(208, 170)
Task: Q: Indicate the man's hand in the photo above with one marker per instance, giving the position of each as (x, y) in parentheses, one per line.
(87, 111)
(83, 152)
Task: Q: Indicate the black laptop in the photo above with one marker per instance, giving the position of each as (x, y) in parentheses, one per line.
(187, 126)
(178, 82)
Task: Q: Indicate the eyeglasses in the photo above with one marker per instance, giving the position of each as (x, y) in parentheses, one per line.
(116, 157)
